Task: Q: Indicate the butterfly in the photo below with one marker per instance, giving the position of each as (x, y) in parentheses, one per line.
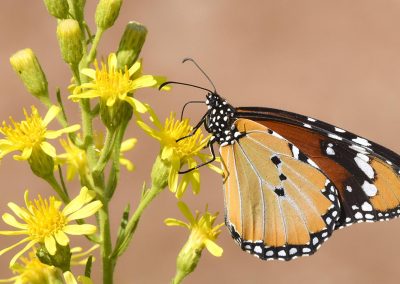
(292, 180)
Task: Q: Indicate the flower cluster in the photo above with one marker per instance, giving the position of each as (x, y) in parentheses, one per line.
(95, 150)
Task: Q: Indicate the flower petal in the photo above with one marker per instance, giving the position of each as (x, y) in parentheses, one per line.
(69, 278)
(51, 134)
(86, 211)
(10, 220)
(48, 149)
(50, 244)
(85, 196)
(128, 144)
(175, 222)
(186, 212)
(61, 238)
(51, 114)
(136, 105)
(134, 68)
(26, 154)
(27, 247)
(20, 212)
(89, 73)
(84, 229)
(213, 248)
(3, 251)
(143, 82)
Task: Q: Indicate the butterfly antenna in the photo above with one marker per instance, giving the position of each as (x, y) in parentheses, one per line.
(184, 84)
(201, 70)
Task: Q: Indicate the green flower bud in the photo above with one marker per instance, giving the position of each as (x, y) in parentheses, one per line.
(57, 8)
(76, 9)
(27, 67)
(160, 173)
(41, 164)
(69, 37)
(131, 44)
(106, 13)
(187, 261)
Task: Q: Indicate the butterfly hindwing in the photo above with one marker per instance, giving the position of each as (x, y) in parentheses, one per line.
(278, 204)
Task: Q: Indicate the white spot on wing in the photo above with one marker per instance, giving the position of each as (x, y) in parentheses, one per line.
(365, 167)
(369, 189)
(361, 141)
(292, 250)
(358, 215)
(366, 206)
(330, 151)
(334, 136)
(307, 125)
(295, 152)
(311, 119)
(337, 129)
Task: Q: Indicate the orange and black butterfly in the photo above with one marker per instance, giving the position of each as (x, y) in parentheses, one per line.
(291, 180)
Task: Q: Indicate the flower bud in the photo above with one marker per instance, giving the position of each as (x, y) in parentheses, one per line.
(41, 164)
(69, 37)
(187, 261)
(106, 13)
(27, 67)
(160, 173)
(131, 44)
(57, 8)
(61, 259)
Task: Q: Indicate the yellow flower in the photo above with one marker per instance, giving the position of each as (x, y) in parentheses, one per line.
(45, 223)
(30, 135)
(202, 235)
(181, 154)
(80, 257)
(202, 232)
(112, 85)
(76, 159)
(32, 271)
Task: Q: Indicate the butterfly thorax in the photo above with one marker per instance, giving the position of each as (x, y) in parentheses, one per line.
(220, 120)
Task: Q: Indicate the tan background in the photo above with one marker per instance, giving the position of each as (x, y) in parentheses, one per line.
(335, 60)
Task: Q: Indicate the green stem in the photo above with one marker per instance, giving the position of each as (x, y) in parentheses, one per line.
(61, 193)
(106, 247)
(93, 49)
(105, 152)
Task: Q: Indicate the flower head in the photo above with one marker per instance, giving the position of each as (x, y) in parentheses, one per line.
(76, 159)
(178, 154)
(30, 270)
(30, 135)
(203, 234)
(45, 223)
(113, 85)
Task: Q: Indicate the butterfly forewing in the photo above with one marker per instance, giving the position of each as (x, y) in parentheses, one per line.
(278, 204)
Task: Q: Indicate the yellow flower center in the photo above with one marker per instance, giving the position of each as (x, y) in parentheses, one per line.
(27, 133)
(112, 83)
(174, 130)
(44, 218)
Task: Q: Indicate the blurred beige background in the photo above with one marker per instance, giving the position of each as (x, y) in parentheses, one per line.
(335, 60)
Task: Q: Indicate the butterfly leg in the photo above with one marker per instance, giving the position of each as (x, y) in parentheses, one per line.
(210, 145)
(194, 128)
(191, 102)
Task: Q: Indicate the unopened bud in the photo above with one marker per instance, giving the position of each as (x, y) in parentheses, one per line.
(131, 44)
(57, 8)
(107, 12)
(69, 37)
(76, 9)
(27, 67)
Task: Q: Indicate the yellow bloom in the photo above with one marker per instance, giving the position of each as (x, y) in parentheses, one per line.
(181, 154)
(202, 235)
(76, 159)
(45, 223)
(30, 135)
(112, 85)
(32, 271)
(80, 257)
(202, 232)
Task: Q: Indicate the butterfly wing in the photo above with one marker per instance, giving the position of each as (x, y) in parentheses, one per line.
(278, 203)
(365, 173)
